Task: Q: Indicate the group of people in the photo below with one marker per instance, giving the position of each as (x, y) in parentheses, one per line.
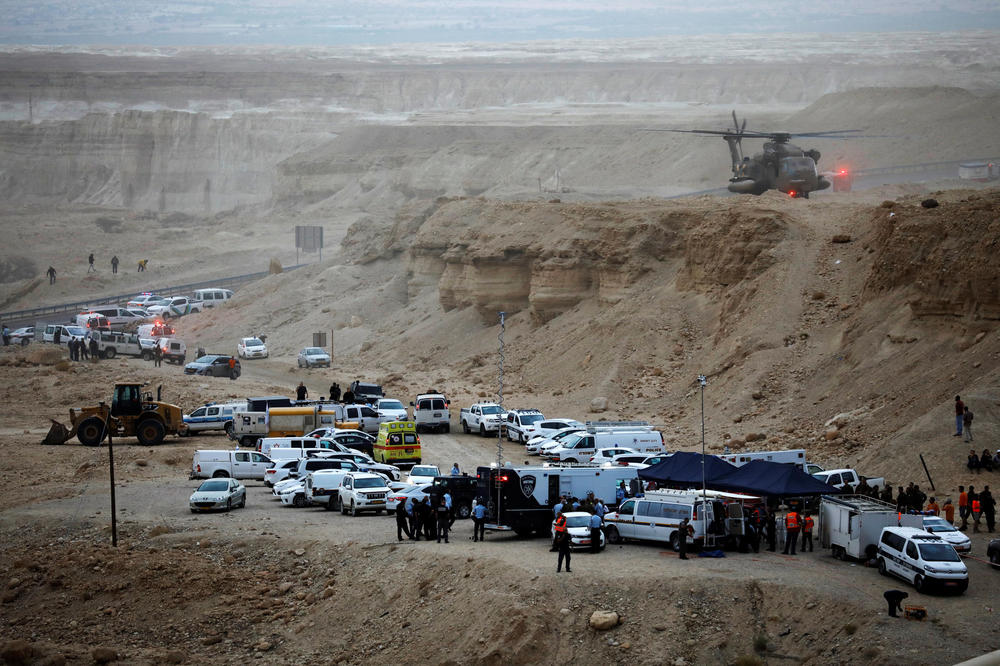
(986, 460)
(82, 350)
(430, 516)
(963, 419)
(140, 267)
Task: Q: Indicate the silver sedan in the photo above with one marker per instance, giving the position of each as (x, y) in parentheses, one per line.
(216, 494)
(313, 356)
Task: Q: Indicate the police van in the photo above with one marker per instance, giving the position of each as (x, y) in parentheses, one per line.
(522, 498)
(657, 515)
(578, 447)
(214, 416)
(921, 558)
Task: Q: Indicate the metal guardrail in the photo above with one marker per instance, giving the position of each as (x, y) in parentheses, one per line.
(30, 315)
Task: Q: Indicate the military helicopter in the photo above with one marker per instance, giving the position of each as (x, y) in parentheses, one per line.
(781, 166)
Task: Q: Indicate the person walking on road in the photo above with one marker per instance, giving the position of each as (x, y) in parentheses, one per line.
(807, 532)
(114, 265)
(90, 264)
(479, 522)
(967, 423)
(791, 531)
(959, 415)
(52, 275)
(894, 598)
(157, 356)
(301, 391)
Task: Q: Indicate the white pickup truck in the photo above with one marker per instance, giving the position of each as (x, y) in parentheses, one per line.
(111, 344)
(176, 306)
(840, 477)
(482, 417)
(521, 424)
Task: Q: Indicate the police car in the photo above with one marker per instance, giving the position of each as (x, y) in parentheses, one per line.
(922, 558)
(214, 416)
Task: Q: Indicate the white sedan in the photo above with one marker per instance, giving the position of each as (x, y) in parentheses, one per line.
(948, 532)
(251, 348)
(398, 497)
(605, 455)
(310, 357)
(423, 474)
(536, 445)
(578, 526)
(216, 494)
(23, 336)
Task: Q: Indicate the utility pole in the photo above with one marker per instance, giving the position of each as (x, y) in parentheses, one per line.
(500, 360)
(111, 465)
(704, 490)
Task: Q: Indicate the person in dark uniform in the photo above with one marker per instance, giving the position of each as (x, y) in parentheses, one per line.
(94, 351)
(894, 599)
(157, 356)
(90, 261)
(479, 522)
(81, 349)
(335, 392)
(443, 520)
(114, 265)
(684, 531)
(57, 335)
(418, 519)
(595, 533)
(402, 523)
(52, 275)
(427, 519)
(301, 391)
(71, 346)
(771, 529)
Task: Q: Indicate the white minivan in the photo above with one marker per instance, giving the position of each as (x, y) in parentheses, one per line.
(657, 516)
(921, 558)
(210, 297)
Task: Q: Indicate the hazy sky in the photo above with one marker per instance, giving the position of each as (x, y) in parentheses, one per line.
(339, 22)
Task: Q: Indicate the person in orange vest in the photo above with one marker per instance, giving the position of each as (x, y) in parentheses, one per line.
(933, 507)
(975, 508)
(949, 511)
(963, 507)
(791, 531)
(562, 539)
(807, 532)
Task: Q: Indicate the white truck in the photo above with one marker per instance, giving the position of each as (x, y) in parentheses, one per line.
(838, 478)
(482, 417)
(111, 344)
(521, 424)
(795, 457)
(850, 525)
(223, 463)
(176, 306)
(579, 447)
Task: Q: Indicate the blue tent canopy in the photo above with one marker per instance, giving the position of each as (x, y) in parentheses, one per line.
(763, 477)
(684, 468)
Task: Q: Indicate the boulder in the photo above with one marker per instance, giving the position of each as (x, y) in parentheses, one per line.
(603, 620)
(104, 655)
(599, 404)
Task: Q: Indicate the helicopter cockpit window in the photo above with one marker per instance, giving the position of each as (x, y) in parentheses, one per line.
(797, 165)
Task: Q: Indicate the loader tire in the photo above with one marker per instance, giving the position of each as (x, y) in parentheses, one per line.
(150, 432)
(91, 431)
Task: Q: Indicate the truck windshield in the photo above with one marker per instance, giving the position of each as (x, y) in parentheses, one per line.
(938, 552)
(527, 419)
(570, 441)
(369, 483)
(491, 409)
(391, 404)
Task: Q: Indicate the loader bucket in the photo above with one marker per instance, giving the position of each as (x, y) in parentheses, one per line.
(58, 433)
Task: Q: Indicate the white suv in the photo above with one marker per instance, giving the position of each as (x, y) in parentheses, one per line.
(362, 491)
(251, 348)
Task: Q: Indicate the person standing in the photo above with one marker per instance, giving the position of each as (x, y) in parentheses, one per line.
(448, 505)
(6, 335)
(443, 520)
(232, 368)
(301, 391)
(479, 522)
(683, 532)
(94, 351)
(933, 507)
(595, 533)
(963, 507)
(157, 356)
(959, 415)
(791, 531)
(989, 507)
(771, 529)
(600, 509)
(562, 543)
(949, 511)
(57, 335)
(807, 532)
(418, 523)
(335, 392)
(427, 519)
(71, 346)
(90, 264)
(967, 424)
(52, 275)
(402, 523)
(558, 511)
(894, 598)
(620, 493)
(975, 508)
(454, 470)
(114, 265)
(81, 348)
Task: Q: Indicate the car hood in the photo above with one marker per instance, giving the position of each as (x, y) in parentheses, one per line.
(209, 496)
(953, 537)
(198, 366)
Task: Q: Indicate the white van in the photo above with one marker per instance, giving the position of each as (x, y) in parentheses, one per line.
(116, 317)
(657, 515)
(92, 321)
(579, 447)
(269, 444)
(223, 463)
(65, 333)
(430, 412)
(212, 295)
(921, 558)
